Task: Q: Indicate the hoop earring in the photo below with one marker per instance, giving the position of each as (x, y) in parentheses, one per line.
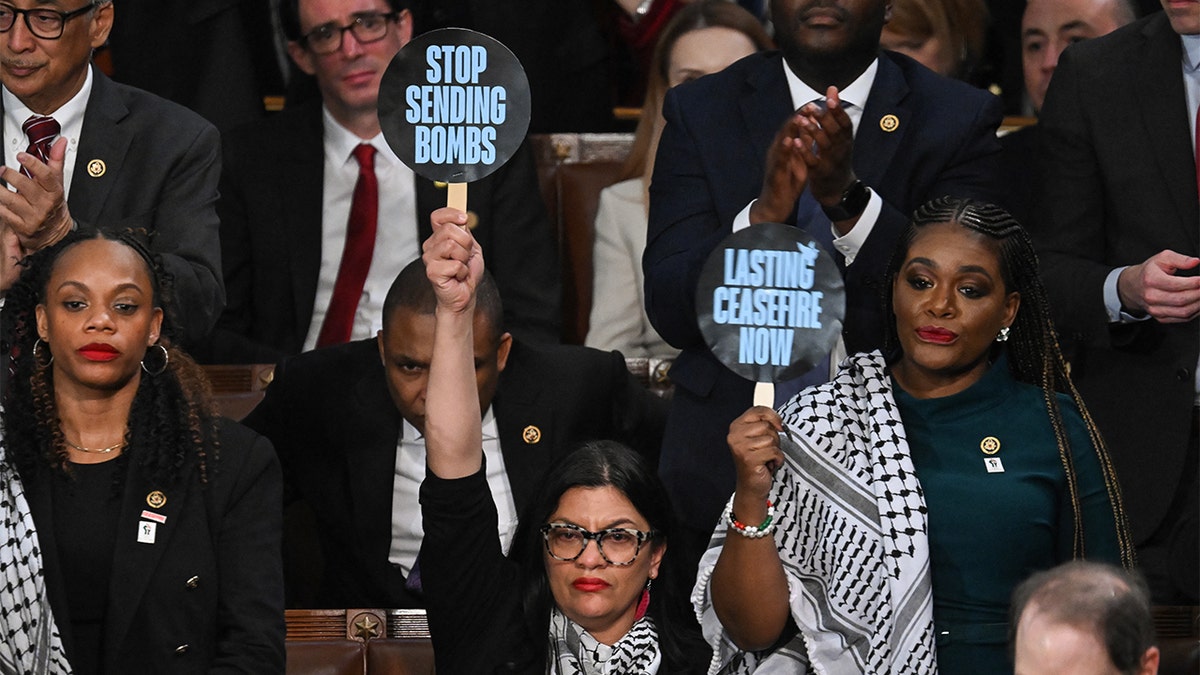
(1003, 336)
(36, 345)
(163, 367)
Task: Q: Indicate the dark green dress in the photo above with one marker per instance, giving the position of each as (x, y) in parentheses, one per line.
(989, 530)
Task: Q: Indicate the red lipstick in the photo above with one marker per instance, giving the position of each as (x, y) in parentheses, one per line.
(98, 351)
(936, 334)
(590, 584)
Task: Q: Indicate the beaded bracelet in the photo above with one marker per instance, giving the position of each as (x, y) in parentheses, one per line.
(751, 531)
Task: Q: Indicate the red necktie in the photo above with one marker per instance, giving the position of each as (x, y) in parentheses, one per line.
(356, 257)
(42, 132)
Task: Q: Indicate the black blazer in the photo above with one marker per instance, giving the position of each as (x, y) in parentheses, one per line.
(710, 165)
(161, 163)
(1120, 186)
(335, 427)
(270, 208)
(225, 535)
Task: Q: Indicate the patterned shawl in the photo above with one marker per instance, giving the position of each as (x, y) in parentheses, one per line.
(574, 652)
(851, 534)
(29, 641)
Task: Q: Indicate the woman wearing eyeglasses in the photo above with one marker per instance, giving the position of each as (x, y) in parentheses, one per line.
(587, 586)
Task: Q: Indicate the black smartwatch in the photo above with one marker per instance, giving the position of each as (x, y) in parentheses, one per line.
(853, 203)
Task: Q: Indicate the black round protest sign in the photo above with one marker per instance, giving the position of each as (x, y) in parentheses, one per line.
(770, 302)
(454, 105)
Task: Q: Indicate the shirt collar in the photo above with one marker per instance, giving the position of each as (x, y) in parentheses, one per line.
(70, 114)
(1191, 53)
(856, 94)
(490, 432)
(340, 143)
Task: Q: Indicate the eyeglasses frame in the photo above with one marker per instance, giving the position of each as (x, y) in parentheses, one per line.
(63, 16)
(588, 535)
(305, 40)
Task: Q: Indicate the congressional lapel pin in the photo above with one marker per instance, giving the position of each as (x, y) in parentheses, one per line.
(96, 168)
(889, 123)
(532, 434)
(156, 499)
(990, 445)
(146, 530)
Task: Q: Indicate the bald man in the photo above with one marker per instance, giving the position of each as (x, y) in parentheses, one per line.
(1082, 618)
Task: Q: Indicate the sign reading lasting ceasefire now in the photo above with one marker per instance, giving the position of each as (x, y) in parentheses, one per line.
(454, 105)
(770, 302)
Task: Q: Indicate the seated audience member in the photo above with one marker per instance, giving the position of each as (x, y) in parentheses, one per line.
(702, 38)
(589, 586)
(102, 154)
(945, 36)
(348, 423)
(318, 214)
(152, 524)
(1082, 618)
(922, 483)
(1117, 206)
(1047, 28)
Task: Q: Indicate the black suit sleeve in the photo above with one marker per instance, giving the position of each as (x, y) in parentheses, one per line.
(638, 416)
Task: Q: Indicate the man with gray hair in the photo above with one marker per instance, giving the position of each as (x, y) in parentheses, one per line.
(1082, 617)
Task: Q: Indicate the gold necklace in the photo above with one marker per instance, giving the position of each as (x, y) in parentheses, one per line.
(97, 451)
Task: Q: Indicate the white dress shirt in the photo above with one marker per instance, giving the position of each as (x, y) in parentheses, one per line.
(70, 121)
(407, 530)
(396, 240)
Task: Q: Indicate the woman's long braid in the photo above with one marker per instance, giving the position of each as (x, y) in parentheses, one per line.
(1035, 356)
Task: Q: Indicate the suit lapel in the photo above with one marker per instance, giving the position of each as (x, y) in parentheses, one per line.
(134, 561)
(371, 459)
(528, 433)
(102, 138)
(874, 148)
(300, 176)
(1165, 118)
(38, 494)
(765, 104)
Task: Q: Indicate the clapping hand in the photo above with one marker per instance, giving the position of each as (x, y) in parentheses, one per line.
(37, 212)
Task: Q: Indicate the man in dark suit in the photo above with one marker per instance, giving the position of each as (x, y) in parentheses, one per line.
(113, 156)
(286, 194)
(1117, 227)
(890, 136)
(347, 422)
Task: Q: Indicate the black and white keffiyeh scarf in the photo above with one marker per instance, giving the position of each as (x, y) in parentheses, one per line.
(574, 652)
(851, 533)
(29, 640)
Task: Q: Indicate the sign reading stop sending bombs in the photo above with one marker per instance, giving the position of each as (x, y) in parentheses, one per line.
(770, 302)
(454, 105)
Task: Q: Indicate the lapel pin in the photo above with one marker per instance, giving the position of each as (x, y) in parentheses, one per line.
(889, 123)
(156, 517)
(990, 445)
(156, 499)
(96, 168)
(146, 530)
(531, 434)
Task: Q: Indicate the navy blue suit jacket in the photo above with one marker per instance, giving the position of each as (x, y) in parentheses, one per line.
(710, 165)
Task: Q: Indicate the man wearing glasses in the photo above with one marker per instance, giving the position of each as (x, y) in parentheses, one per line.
(79, 148)
(302, 268)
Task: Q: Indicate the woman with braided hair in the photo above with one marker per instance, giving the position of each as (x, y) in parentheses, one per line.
(157, 523)
(903, 501)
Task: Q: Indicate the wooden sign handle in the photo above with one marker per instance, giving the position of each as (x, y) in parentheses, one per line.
(456, 196)
(764, 394)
